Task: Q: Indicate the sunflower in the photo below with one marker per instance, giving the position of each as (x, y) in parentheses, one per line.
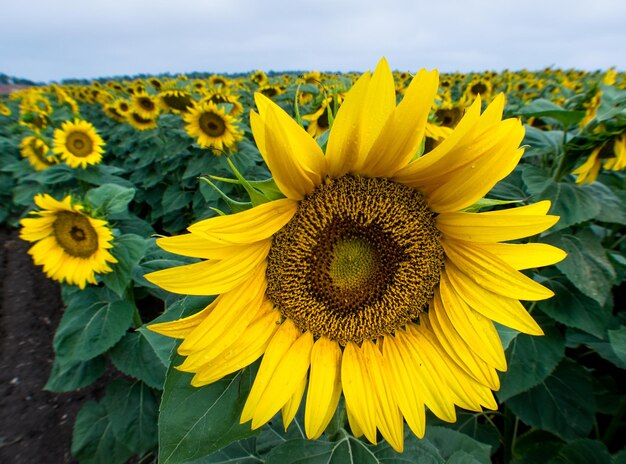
(71, 246)
(222, 96)
(78, 143)
(368, 278)
(145, 105)
(212, 127)
(140, 123)
(37, 152)
(319, 121)
(259, 77)
(175, 101)
(4, 110)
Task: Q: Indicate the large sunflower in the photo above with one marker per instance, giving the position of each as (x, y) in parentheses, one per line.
(78, 143)
(70, 245)
(368, 278)
(212, 127)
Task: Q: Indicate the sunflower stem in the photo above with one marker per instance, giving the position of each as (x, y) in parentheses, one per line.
(130, 296)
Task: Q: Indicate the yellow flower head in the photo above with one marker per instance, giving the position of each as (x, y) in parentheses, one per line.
(78, 143)
(367, 279)
(71, 246)
(37, 152)
(212, 127)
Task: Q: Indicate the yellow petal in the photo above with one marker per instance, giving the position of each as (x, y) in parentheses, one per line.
(406, 391)
(228, 319)
(343, 145)
(358, 390)
(459, 387)
(294, 158)
(459, 351)
(403, 132)
(291, 407)
(380, 101)
(182, 327)
(477, 331)
(427, 381)
(494, 274)
(523, 256)
(324, 387)
(489, 228)
(434, 161)
(506, 311)
(285, 380)
(460, 188)
(247, 349)
(278, 347)
(249, 226)
(388, 417)
(469, 393)
(197, 246)
(214, 276)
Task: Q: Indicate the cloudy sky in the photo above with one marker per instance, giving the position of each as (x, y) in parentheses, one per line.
(46, 40)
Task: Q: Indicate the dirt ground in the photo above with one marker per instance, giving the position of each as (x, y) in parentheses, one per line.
(35, 425)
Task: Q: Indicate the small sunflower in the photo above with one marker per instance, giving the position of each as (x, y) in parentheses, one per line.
(78, 143)
(220, 97)
(71, 246)
(175, 101)
(4, 110)
(319, 121)
(212, 127)
(140, 123)
(259, 77)
(37, 152)
(145, 105)
(368, 278)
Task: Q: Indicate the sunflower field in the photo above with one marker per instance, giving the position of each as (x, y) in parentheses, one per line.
(332, 268)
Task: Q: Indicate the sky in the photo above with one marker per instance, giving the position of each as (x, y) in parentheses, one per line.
(50, 40)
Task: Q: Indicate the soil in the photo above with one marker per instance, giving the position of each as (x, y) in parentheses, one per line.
(35, 425)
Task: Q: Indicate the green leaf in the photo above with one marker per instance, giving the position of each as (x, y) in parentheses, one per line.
(586, 265)
(530, 360)
(240, 452)
(93, 322)
(128, 249)
(570, 307)
(582, 452)
(69, 376)
(611, 206)
(110, 198)
(350, 450)
(562, 404)
(449, 441)
(61, 173)
(535, 447)
(542, 142)
(135, 356)
(603, 347)
(617, 338)
(133, 411)
(174, 198)
(195, 422)
(545, 108)
(572, 203)
(93, 441)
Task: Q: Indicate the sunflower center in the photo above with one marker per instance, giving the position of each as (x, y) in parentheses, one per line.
(478, 88)
(146, 103)
(353, 263)
(360, 258)
(212, 124)
(75, 234)
(79, 144)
